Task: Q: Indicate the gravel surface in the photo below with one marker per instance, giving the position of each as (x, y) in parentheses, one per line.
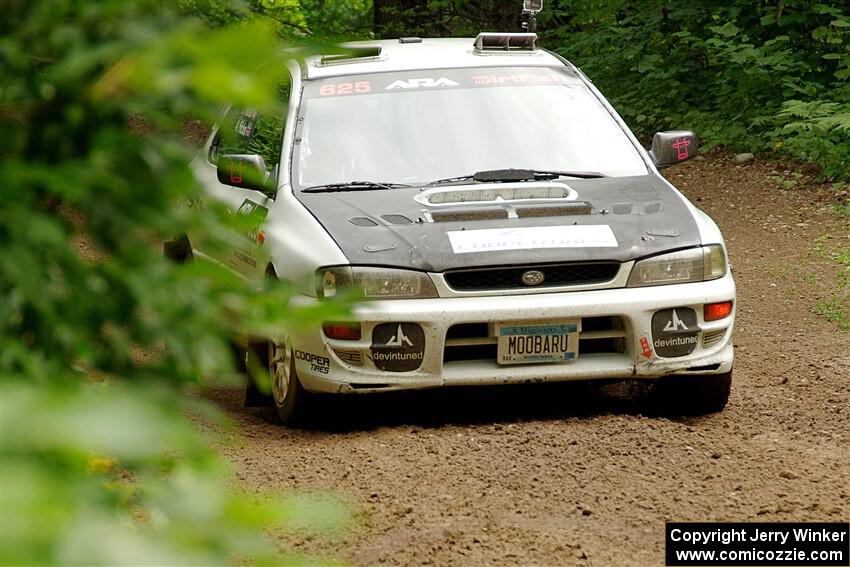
(577, 475)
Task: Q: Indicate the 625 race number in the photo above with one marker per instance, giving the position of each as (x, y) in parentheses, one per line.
(345, 88)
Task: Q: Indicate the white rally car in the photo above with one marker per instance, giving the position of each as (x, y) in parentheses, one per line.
(498, 218)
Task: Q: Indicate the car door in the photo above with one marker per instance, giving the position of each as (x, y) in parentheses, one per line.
(245, 132)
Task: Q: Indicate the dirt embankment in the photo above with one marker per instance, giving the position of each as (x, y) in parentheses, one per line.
(566, 475)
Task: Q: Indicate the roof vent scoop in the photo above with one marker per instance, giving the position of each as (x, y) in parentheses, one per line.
(411, 39)
(352, 55)
(498, 41)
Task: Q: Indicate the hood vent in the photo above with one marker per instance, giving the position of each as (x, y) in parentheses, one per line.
(509, 211)
(362, 221)
(563, 210)
(636, 208)
(461, 215)
(396, 219)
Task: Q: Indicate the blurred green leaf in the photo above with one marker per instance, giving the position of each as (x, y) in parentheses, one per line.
(103, 459)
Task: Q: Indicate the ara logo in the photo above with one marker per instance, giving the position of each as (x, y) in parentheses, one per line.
(675, 324)
(674, 332)
(397, 347)
(426, 82)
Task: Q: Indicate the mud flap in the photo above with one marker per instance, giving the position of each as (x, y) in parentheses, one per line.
(254, 359)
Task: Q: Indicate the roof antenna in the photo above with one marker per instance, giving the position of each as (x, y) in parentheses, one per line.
(530, 9)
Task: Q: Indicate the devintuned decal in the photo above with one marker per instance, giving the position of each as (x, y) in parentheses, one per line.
(320, 364)
(500, 239)
(398, 347)
(675, 332)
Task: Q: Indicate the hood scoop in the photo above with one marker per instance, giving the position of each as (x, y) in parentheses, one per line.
(496, 193)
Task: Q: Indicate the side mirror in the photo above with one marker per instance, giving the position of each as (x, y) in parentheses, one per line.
(672, 147)
(247, 171)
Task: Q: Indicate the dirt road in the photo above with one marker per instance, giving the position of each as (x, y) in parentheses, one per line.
(565, 475)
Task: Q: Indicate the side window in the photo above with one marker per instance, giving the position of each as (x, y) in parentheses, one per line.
(244, 131)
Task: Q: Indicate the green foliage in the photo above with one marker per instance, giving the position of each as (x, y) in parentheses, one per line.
(102, 460)
(767, 77)
(815, 131)
(286, 17)
(338, 19)
(334, 19)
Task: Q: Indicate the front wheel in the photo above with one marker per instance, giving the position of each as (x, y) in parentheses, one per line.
(692, 394)
(290, 398)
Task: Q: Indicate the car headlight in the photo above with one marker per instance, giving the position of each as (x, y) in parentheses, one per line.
(693, 265)
(374, 283)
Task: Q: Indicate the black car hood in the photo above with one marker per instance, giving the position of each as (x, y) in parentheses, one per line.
(393, 228)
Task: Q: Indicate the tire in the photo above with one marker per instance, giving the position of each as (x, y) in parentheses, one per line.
(699, 394)
(289, 397)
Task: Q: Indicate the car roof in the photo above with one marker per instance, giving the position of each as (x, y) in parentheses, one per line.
(442, 53)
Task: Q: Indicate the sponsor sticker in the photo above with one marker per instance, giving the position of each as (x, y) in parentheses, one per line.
(675, 332)
(318, 363)
(345, 88)
(425, 82)
(398, 347)
(501, 239)
(256, 213)
(681, 147)
(646, 350)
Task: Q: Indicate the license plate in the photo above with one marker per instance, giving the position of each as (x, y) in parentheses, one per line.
(521, 343)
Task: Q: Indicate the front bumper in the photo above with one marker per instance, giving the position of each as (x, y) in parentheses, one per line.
(459, 346)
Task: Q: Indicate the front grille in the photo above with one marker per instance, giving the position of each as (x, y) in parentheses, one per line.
(474, 341)
(576, 273)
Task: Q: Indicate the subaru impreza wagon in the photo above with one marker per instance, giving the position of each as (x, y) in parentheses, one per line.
(495, 215)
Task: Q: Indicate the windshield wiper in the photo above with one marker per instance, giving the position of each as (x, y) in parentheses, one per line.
(353, 186)
(507, 175)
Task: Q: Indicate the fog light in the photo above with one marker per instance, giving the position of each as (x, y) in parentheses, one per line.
(715, 311)
(341, 331)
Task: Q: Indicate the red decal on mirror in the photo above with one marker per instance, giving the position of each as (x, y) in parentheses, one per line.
(235, 176)
(681, 147)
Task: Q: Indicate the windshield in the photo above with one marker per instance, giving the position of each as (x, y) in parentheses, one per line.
(418, 127)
